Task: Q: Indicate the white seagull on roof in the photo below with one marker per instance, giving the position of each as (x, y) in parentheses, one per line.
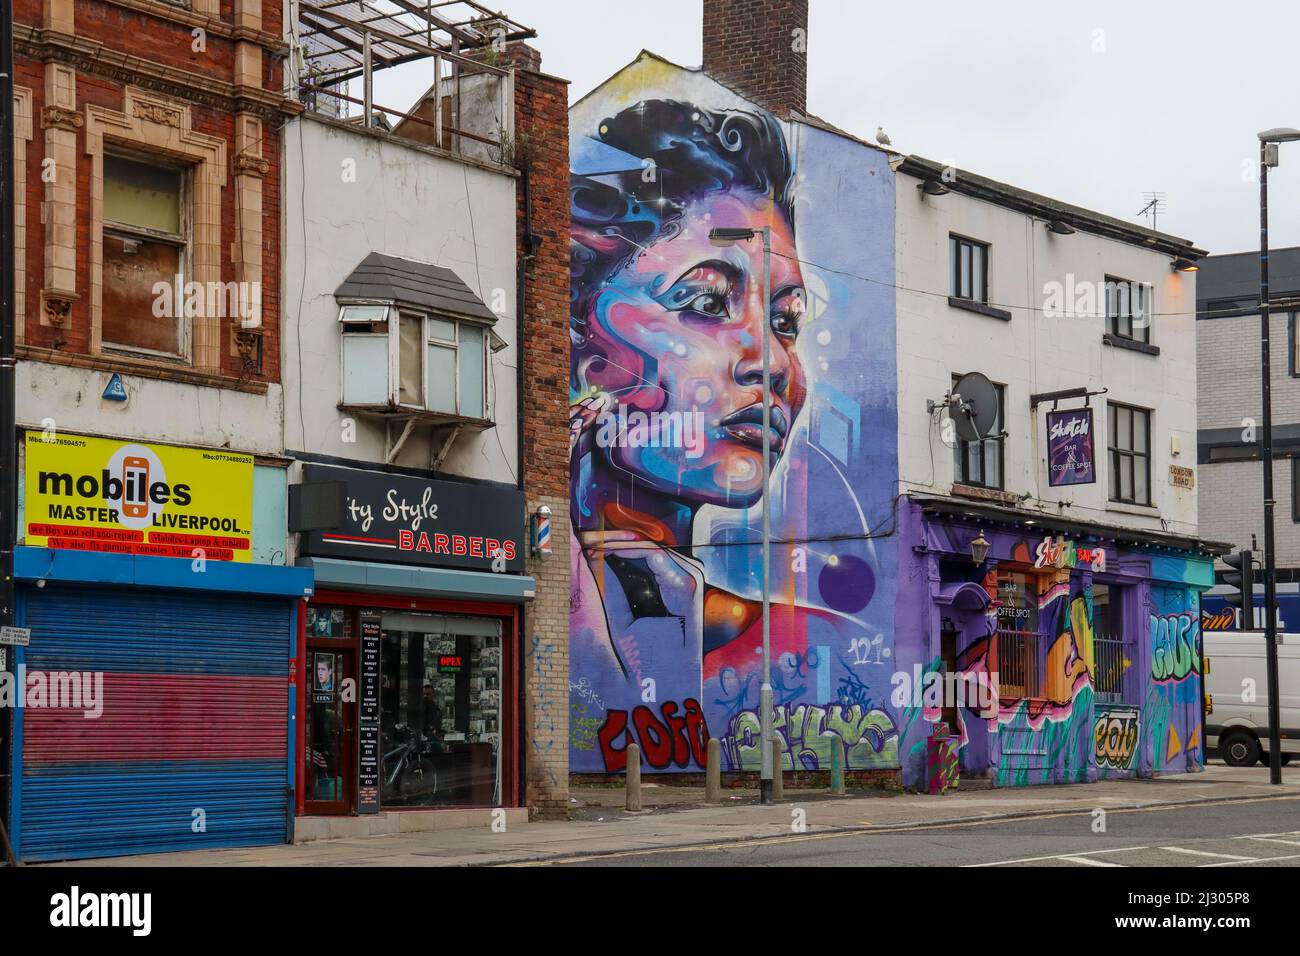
(882, 137)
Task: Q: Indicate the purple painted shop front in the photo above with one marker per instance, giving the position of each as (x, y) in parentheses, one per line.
(1075, 656)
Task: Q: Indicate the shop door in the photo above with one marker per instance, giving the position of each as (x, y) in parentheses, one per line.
(331, 730)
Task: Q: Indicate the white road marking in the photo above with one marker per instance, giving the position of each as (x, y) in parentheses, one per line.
(1272, 840)
(1086, 861)
(1058, 856)
(1222, 856)
(1266, 859)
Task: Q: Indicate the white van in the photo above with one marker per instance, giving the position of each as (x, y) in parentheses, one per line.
(1237, 685)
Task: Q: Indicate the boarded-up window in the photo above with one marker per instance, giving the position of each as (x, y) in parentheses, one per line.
(145, 262)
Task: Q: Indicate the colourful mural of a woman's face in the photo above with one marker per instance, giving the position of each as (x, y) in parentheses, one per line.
(679, 330)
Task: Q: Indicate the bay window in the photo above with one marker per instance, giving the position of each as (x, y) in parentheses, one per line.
(407, 359)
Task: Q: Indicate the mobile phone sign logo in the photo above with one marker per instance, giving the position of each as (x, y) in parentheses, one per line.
(136, 483)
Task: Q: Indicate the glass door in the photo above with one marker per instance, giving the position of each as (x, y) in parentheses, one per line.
(331, 730)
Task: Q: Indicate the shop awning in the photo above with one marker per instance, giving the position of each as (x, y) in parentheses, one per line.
(1133, 537)
(147, 571)
(340, 575)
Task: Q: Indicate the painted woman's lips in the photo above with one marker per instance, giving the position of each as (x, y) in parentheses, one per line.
(746, 426)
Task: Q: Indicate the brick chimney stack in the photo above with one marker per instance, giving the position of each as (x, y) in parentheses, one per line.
(759, 48)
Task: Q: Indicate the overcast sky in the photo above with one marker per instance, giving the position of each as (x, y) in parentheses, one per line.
(1013, 90)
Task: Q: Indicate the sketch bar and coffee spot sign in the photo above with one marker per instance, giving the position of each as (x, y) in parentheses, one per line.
(1070, 459)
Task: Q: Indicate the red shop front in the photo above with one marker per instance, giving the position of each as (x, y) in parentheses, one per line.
(408, 669)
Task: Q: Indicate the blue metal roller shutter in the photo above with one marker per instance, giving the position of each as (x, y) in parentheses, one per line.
(192, 748)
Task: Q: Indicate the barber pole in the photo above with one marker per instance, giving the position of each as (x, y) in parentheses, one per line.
(542, 532)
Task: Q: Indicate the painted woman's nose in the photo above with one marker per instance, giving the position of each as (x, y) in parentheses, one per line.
(748, 369)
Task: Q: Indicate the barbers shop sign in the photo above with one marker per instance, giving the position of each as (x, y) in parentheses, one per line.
(374, 516)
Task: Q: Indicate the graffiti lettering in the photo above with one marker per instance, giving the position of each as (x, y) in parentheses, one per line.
(582, 730)
(1173, 646)
(1116, 734)
(807, 737)
(860, 648)
(675, 739)
(584, 690)
(1223, 621)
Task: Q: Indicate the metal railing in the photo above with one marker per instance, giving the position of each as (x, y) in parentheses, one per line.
(1019, 663)
(1111, 660)
(467, 108)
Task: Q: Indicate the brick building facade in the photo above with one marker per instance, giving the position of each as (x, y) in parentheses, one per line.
(197, 86)
(542, 154)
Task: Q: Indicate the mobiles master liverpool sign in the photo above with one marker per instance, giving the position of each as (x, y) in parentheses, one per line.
(96, 494)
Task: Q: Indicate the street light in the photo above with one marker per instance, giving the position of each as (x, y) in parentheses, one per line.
(725, 237)
(1268, 156)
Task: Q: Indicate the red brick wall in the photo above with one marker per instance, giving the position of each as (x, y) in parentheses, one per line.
(750, 46)
(542, 135)
(542, 147)
(167, 43)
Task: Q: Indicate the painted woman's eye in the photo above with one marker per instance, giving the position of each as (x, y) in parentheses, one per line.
(704, 292)
(787, 313)
(708, 303)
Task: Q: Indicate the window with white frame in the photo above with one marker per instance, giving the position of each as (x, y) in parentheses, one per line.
(403, 358)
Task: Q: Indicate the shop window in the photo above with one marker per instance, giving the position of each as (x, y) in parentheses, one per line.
(440, 711)
(1128, 309)
(397, 357)
(146, 256)
(326, 621)
(1129, 444)
(1019, 644)
(968, 269)
(1111, 647)
(980, 463)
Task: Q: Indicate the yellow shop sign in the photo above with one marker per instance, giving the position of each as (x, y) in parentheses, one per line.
(97, 494)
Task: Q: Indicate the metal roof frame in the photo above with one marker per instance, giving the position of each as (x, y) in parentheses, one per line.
(333, 33)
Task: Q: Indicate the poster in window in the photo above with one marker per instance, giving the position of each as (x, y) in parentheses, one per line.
(323, 678)
(1070, 459)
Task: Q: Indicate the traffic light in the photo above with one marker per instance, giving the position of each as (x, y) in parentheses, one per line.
(1242, 577)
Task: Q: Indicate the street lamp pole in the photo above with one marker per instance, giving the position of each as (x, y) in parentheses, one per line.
(722, 236)
(765, 691)
(1268, 150)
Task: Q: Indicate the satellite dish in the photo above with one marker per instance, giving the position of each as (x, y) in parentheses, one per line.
(973, 407)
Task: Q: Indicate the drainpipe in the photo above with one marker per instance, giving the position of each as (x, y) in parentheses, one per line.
(8, 392)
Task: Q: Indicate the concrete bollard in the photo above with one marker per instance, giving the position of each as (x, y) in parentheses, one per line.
(713, 773)
(632, 784)
(778, 775)
(837, 766)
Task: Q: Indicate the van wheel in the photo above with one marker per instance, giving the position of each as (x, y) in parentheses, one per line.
(1240, 750)
(1263, 759)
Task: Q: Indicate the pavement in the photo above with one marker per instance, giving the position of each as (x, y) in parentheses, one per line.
(674, 819)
